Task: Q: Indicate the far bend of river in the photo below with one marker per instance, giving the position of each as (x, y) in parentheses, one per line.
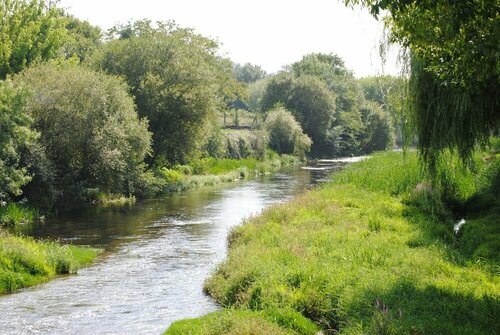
(158, 253)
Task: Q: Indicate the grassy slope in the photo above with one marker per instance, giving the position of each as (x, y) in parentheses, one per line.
(365, 254)
(26, 262)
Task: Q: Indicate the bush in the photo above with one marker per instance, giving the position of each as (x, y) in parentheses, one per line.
(378, 133)
(91, 136)
(245, 143)
(285, 133)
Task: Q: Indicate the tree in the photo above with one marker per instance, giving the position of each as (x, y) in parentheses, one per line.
(255, 93)
(30, 31)
(91, 135)
(285, 133)
(454, 70)
(342, 138)
(310, 101)
(378, 133)
(388, 92)
(248, 73)
(15, 135)
(83, 38)
(177, 80)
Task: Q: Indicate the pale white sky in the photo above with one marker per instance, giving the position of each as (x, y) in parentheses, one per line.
(269, 33)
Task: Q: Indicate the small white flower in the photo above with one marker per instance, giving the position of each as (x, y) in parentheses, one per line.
(3, 203)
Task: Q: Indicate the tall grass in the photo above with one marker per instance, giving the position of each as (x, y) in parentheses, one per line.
(213, 171)
(26, 262)
(14, 214)
(362, 255)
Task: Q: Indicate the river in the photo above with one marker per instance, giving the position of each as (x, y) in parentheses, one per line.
(157, 255)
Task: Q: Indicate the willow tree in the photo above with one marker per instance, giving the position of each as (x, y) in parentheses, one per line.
(454, 70)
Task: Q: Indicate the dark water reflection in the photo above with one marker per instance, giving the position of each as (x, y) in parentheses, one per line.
(158, 253)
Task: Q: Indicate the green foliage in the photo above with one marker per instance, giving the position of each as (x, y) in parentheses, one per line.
(310, 101)
(276, 322)
(327, 101)
(352, 257)
(31, 31)
(177, 82)
(378, 133)
(285, 133)
(388, 92)
(26, 262)
(241, 144)
(13, 214)
(454, 71)
(15, 136)
(255, 94)
(83, 38)
(248, 73)
(91, 136)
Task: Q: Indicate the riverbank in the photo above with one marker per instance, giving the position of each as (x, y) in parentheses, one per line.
(212, 171)
(25, 262)
(373, 251)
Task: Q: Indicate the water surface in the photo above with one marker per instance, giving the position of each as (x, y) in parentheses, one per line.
(158, 253)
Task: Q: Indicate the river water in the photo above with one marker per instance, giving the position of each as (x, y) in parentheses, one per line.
(157, 255)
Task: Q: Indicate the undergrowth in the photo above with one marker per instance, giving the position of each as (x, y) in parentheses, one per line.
(372, 252)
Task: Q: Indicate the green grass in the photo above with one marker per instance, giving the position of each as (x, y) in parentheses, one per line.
(372, 252)
(13, 214)
(26, 262)
(270, 322)
(213, 171)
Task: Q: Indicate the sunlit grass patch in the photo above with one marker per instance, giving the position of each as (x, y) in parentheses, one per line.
(14, 214)
(363, 255)
(26, 262)
(234, 322)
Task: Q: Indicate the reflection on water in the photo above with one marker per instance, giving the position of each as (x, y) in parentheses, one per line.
(158, 254)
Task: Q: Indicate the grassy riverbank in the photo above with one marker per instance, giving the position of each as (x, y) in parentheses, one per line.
(372, 252)
(212, 171)
(25, 262)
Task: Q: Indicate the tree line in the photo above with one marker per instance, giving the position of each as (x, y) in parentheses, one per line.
(84, 112)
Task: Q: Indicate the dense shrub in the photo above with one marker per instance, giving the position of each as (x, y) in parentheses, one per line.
(285, 133)
(91, 136)
(245, 143)
(378, 133)
(15, 136)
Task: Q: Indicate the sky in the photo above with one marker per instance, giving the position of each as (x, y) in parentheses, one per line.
(269, 33)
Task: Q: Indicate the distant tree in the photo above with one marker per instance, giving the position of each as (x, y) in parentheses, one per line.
(91, 135)
(177, 80)
(255, 93)
(310, 101)
(83, 38)
(378, 133)
(388, 92)
(249, 73)
(285, 133)
(15, 135)
(30, 31)
(347, 126)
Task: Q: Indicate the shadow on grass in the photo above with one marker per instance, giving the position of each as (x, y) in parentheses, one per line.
(407, 309)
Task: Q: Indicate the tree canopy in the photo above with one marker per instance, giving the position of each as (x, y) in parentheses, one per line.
(15, 135)
(454, 70)
(249, 73)
(177, 80)
(30, 31)
(90, 135)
